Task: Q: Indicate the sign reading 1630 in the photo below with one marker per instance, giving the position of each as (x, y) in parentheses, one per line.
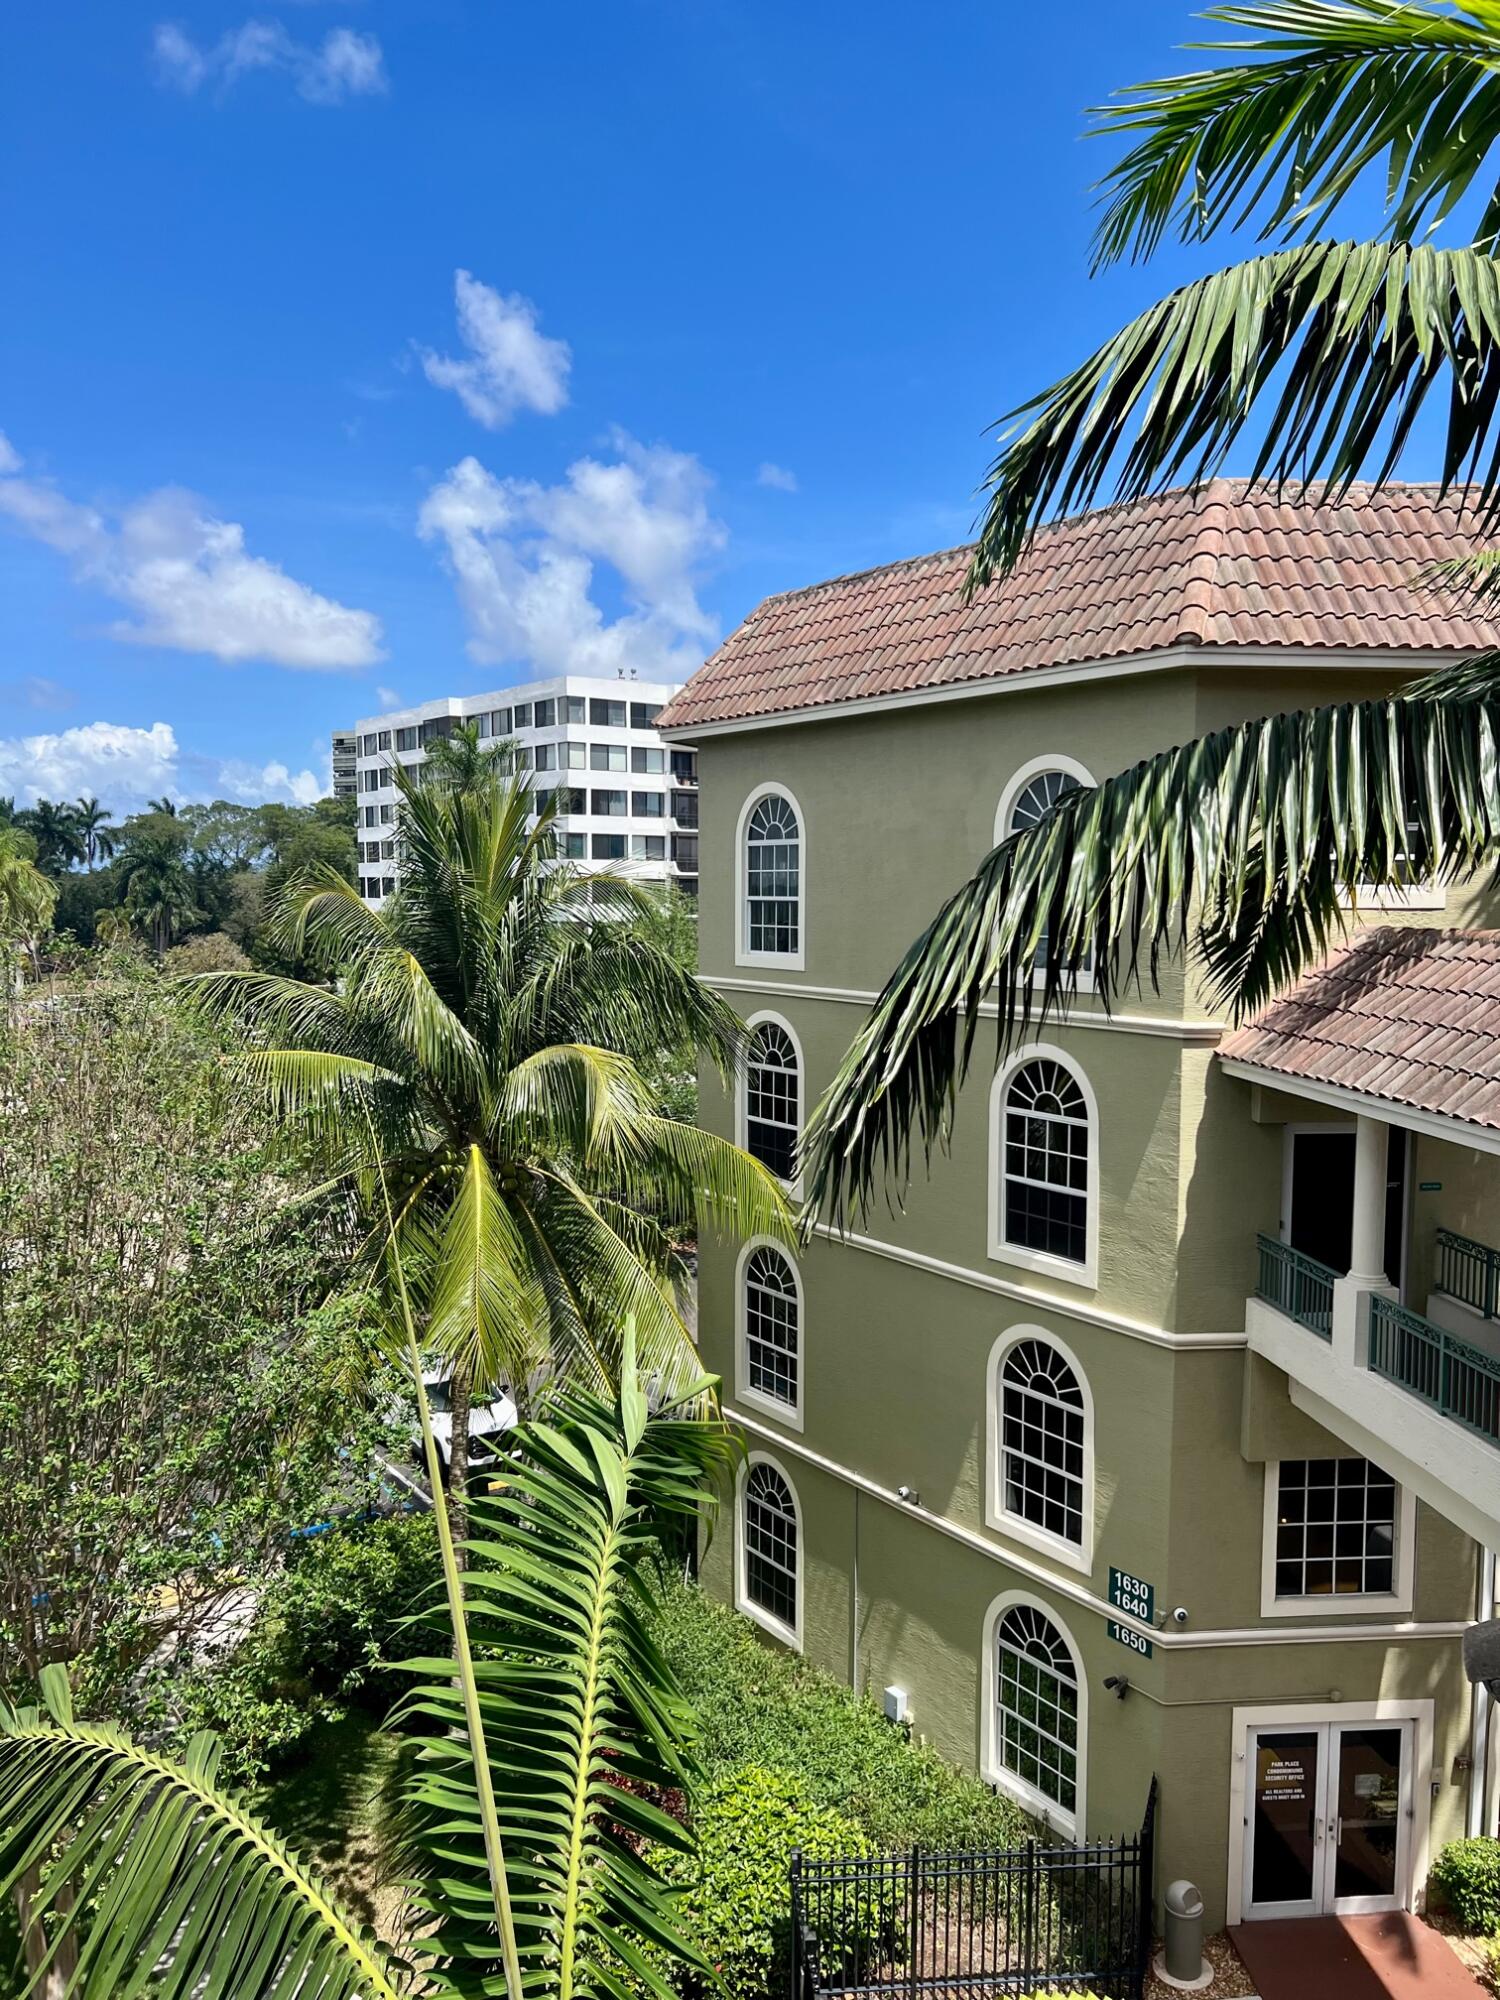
(1128, 1593)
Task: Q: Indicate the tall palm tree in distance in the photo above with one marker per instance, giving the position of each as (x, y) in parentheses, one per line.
(92, 821)
(158, 887)
(1247, 847)
(54, 827)
(480, 1044)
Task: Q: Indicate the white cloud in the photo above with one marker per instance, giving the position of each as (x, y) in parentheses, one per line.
(345, 64)
(523, 556)
(511, 365)
(776, 476)
(187, 578)
(125, 766)
(389, 698)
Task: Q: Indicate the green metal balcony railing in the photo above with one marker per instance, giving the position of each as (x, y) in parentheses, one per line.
(1297, 1285)
(1468, 1271)
(1436, 1366)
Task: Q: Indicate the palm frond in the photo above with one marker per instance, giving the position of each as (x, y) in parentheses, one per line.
(1323, 91)
(1348, 339)
(155, 1879)
(582, 1716)
(1472, 580)
(1250, 846)
(486, 1310)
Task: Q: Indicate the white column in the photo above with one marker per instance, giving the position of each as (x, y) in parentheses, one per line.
(1367, 1238)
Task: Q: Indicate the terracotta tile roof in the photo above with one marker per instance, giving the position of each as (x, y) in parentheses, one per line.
(1409, 1016)
(1220, 567)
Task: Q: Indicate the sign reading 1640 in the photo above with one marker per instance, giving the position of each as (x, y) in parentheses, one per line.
(1128, 1593)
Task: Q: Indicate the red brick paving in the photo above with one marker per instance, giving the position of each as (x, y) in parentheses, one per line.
(1392, 1957)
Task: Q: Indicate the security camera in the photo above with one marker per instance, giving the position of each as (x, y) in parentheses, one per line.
(909, 1494)
(1117, 1685)
(1179, 1616)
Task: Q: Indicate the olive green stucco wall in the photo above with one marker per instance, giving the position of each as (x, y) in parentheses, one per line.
(898, 1330)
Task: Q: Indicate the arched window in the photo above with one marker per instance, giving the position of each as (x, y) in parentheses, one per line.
(771, 919)
(773, 1099)
(1043, 1440)
(1037, 1707)
(769, 1553)
(1045, 1164)
(771, 1367)
(1032, 802)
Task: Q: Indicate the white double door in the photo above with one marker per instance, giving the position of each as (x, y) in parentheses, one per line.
(1328, 1818)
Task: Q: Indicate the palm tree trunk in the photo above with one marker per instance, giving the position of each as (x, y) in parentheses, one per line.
(460, 1396)
(34, 1941)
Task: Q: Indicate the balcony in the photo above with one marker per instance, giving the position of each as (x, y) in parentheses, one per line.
(1446, 1373)
(1296, 1285)
(1467, 1271)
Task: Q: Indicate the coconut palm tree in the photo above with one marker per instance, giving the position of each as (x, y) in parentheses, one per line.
(54, 828)
(27, 896)
(535, 1884)
(1246, 847)
(163, 805)
(92, 821)
(480, 1046)
(158, 887)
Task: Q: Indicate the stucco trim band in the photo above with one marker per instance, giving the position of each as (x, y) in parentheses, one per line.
(1077, 1593)
(852, 996)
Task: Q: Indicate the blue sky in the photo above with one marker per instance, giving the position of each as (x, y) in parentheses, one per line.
(746, 280)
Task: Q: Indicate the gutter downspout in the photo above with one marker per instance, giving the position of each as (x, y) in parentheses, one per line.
(1479, 1736)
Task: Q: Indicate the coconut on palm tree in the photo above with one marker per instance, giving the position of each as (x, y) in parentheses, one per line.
(480, 1045)
(1247, 847)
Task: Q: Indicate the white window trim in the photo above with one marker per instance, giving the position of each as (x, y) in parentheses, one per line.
(1397, 1600)
(1086, 1274)
(991, 1769)
(743, 1602)
(791, 961)
(741, 1106)
(789, 1415)
(1037, 767)
(1014, 1526)
(1417, 1710)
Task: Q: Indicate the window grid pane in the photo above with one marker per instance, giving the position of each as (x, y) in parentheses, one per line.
(773, 863)
(1042, 1440)
(771, 1327)
(1046, 1170)
(771, 1544)
(1037, 1693)
(1335, 1529)
(772, 1094)
(1034, 803)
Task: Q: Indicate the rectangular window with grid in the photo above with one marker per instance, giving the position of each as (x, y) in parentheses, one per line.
(1335, 1528)
(1046, 1184)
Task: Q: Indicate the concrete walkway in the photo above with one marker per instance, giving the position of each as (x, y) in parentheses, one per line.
(1391, 1957)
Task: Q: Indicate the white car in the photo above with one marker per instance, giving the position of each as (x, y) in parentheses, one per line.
(488, 1421)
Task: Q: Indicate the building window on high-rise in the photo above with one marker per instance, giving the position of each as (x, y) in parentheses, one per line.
(369, 813)
(573, 756)
(544, 756)
(648, 847)
(1040, 1446)
(607, 804)
(771, 875)
(607, 714)
(575, 708)
(384, 742)
(647, 763)
(772, 1098)
(406, 739)
(522, 715)
(1037, 1720)
(544, 715)
(770, 1360)
(643, 714)
(576, 846)
(1043, 1210)
(607, 756)
(607, 846)
(648, 805)
(770, 1555)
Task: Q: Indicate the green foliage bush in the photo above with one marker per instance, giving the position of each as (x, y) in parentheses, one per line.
(773, 1710)
(335, 1615)
(1467, 1876)
(749, 1823)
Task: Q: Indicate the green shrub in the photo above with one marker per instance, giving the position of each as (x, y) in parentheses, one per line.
(1492, 1965)
(770, 1709)
(1467, 1876)
(321, 1633)
(749, 1824)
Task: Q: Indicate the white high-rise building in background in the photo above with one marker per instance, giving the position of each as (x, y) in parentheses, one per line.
(627, 798)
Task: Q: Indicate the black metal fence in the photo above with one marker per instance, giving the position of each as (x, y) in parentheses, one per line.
(998, 1921)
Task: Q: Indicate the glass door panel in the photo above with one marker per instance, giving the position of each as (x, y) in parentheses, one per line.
(1368, 1819)
(1285, 1822)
